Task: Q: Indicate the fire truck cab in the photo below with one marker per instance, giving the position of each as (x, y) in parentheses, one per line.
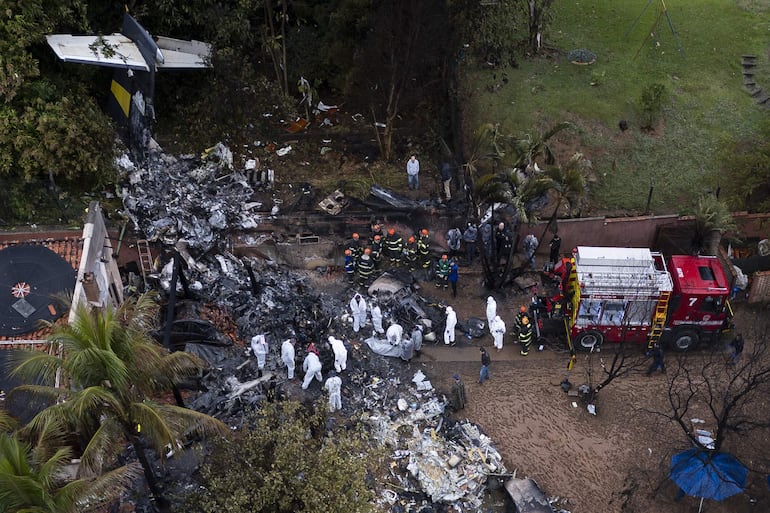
(636, 295)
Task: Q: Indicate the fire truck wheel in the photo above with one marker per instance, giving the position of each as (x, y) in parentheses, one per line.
(589, 340)
(685, 339)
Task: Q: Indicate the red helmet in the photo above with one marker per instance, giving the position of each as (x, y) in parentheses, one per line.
(443, 257)
(348, 252)
(391, 231)
(522, 309)
(424, 231)
(355, 236)
(411, 239)
(377, 237)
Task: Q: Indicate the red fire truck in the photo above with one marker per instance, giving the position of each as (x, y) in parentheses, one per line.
(637, 295)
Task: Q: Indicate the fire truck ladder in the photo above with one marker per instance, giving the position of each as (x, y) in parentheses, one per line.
(658, 320)
(145, 258)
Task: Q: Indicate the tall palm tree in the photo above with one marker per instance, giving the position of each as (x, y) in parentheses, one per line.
(32, 478)
(712, 219)
(115, 370)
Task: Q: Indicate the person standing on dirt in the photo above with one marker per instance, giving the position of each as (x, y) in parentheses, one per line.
(657, 360)
(454, 276)
(376, 251)
(446, 180)
(555, 247)
(410, 254)
(413, 173)
(523, 312)
(470, 235)
(377, 319)
(451, 323)
(498, 331)
(486, 239)
(484, 374)
(454, 239)
(340, 353)
(394, 245)
(350, 266)
(525, 336)
(358, 310)
(259, 348)
(417, 338)
(491, 312)
(737, 348)
(312, 367)
(287, 356)
(530, 246)
(457, 396)
(442, 272)
(365, 267)
(423, 249)
(333, 386)
(354, 245)
(503, 242)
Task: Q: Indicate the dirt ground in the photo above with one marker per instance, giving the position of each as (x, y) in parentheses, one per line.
(616, 461)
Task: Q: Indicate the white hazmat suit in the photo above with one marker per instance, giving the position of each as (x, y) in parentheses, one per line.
(358, 309)
(451, 322)
(340, 354)
(377, 319)
(491, 312)
(312, 368)
(333, 385)
(394, 334)
(259, 348)
(287, 356)
(498, 330)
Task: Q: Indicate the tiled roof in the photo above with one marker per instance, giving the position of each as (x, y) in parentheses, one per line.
(69, 248)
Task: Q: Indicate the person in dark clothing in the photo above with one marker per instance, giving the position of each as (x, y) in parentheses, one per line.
(470, 235)
(503, 241)
(737, 347)
(525, 336)
(657, 360)
(457, 397)
(446, 180)
(485, 361)
(454, 275)
(555, 246)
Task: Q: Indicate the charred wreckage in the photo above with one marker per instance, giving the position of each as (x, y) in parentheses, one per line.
(221, 249)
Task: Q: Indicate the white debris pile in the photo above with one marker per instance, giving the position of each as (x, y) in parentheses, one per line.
(433, 461)
(196, 199)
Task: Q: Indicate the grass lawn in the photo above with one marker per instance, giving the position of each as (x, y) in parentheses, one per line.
(705, 103)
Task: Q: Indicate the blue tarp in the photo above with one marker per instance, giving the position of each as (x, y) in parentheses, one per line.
(708, 475)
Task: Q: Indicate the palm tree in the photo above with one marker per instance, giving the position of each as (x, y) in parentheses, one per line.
(712, 219)
(32, 478)
(115, 370)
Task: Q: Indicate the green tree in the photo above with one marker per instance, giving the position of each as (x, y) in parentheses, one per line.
(744, 174)
(32, 477)
(288, 462)
(712, 219)
(115, 370)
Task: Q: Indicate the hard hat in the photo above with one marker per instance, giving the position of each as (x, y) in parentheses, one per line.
(377, 237)
(443, 257)
(522, 309)
(424, 231)
(525, 320)
(411, 239)
(348, 252)
(367, 251)
(355, 235)
(391, 231)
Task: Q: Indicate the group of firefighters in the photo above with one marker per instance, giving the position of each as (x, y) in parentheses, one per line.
(364, 257)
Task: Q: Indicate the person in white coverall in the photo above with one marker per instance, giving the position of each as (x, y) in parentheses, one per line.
(394, 334)
(358, 309)
(377, 319)
(259, 348)
(451, 322)
(491, 312)
(312, 368)
(287, 356)
(340, 354)
(498, 330)
(333, 385)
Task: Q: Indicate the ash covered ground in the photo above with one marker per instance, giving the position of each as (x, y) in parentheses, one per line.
(193, 206)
